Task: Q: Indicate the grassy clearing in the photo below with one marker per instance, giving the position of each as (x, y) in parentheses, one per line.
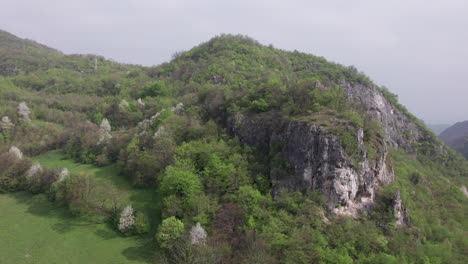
(141, 199)
(34, 230)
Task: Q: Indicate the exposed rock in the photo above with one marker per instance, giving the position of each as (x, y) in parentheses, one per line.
(123, 105)
(104, 131)
(24, 112)
(399, 211)
(127, 219)
(178, 109)
(316, 160)
(319, 85)
(34, 170)
(6, 124)
(140, 103)
(63, 174)
(399, 130)
(197, 235)
(16, 151)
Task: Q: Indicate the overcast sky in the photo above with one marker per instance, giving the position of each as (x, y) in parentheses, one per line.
(417, 48)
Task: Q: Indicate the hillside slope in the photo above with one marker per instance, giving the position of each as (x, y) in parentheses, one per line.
(269, 151)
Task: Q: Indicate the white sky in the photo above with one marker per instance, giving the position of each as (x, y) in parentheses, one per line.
(417, 48)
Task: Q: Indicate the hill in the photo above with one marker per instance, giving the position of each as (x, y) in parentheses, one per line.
(438, 128)
(260, 155)
(456, 137)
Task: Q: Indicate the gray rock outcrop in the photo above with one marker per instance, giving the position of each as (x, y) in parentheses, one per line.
(399, 211)
(315, 159)
(399, 130)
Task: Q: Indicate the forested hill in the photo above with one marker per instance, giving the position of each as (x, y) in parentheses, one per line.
(258, 155)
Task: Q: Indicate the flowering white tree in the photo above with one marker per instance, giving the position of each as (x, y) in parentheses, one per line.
(104, 131)
(127, 219)
(160, 132)
(23, 111)
(197, 235)
(6, 124)
(124, 105)
(34, 170)
(63, 174)
(140, 102)
(16, 151)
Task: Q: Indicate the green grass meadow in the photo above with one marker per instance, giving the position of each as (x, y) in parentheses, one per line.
(35, 230)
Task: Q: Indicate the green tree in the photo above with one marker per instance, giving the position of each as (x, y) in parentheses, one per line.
(171, 230)
(180, 181)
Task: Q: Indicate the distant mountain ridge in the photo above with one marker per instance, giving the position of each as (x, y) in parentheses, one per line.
(438, 128)
(456, 137)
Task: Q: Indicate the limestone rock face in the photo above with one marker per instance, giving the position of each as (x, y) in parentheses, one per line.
(399, 130)
(16, 151)
(316, 160)
(24, 112)
(178, 109)
(399, 211)
(197, 235)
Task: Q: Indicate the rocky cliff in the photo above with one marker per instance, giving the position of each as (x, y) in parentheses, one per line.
(315, 158)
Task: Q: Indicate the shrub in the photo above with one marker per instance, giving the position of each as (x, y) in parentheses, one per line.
(142, 225)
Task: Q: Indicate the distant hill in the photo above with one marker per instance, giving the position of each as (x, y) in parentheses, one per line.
(438, 128)
(19, 56)
(456, 137)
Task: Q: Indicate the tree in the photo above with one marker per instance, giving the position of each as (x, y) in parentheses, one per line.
(197, 235)
(104, 131)
(24, 112)
(170, 230)
(127, 219)
(155, 89)
(182, 182)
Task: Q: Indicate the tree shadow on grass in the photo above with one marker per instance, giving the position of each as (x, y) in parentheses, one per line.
(39, 205)
(143, 252)
(107, 234)
(69, 225)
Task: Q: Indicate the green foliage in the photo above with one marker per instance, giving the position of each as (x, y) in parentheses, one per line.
(259, 106)
(170, 230)
(180, 181)
(253, 203)
(142, 225)
(155, 89)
